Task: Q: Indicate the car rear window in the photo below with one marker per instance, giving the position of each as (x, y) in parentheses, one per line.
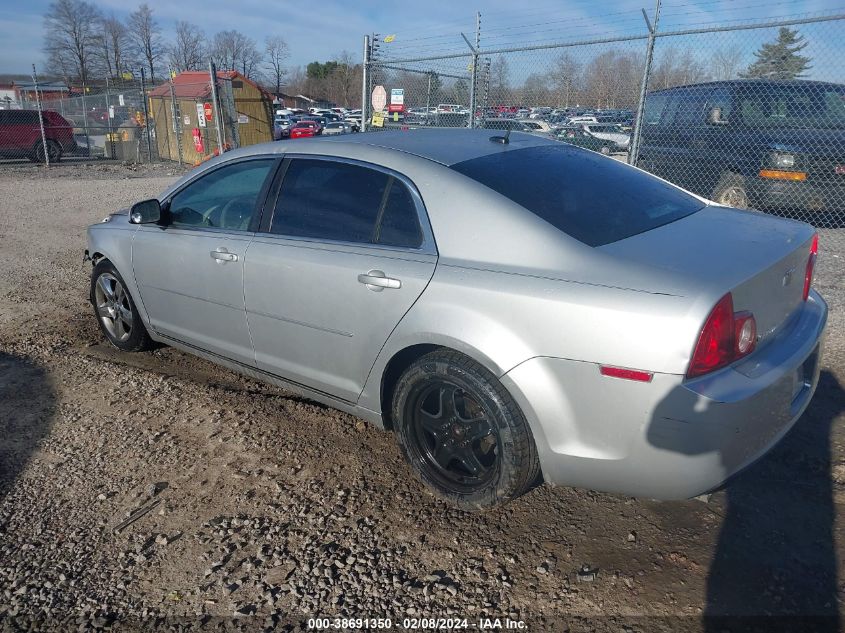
(596, 200)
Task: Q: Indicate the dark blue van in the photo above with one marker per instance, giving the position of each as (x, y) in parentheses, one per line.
(765, 144)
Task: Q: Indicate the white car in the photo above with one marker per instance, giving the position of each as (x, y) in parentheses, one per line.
(535, 125)
(609, 132)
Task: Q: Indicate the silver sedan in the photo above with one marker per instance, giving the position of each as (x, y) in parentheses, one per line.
(514, 309)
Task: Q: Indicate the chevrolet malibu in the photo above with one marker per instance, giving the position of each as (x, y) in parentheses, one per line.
(512, 308)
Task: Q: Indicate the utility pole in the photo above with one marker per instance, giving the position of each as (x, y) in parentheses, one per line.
(216, 105)
(634, 151)
(365, 84)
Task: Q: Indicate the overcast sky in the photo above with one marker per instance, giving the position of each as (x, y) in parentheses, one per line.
(320, 30)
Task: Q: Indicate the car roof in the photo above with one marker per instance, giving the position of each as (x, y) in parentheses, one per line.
(768, 83)
(445, 146)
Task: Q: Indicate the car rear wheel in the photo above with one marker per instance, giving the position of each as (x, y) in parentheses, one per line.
(731, 191)
(54, 151)
(115, 310)
(605, 150)
(462, 433)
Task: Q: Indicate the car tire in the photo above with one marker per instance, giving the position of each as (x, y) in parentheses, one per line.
(605, 150)
(115, 310)
(462, 433)
(54, 151)
(731, 191)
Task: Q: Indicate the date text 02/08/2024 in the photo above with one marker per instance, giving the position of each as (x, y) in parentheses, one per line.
(416, 624)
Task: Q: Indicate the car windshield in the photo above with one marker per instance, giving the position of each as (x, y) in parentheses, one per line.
(805, 106)
(594, 199)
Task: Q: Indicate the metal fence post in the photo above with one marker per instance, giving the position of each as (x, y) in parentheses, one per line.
(40, 117)
(85, 121)
(473, 86)
(177, 124)
(146, 115)
(634, 151)
(212, 70)
(365, 83)
(110, 138)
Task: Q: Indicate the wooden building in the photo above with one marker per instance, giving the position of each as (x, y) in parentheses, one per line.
(245, 109)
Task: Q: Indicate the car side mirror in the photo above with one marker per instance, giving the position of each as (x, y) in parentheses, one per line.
(714, 117)
(145, 212)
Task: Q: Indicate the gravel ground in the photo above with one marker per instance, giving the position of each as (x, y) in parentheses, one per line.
(252, 509)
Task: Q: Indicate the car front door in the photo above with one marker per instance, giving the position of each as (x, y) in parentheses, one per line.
(345, 255)
(189, 268)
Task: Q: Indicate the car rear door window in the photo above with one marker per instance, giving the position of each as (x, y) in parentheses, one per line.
(594, 199)
(224, 198)
(654, 106)
(338, 201)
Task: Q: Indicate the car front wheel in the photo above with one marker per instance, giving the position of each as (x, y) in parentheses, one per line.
(462, 433)
(116, 313)
(731, 191)
(54, 151)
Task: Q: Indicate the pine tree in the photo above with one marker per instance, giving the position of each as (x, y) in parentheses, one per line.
(780, 59)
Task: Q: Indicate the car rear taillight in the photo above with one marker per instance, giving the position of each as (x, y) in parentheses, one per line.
(811, 264)
(726, 336)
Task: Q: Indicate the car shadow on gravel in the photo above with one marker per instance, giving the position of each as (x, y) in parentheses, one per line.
(27, 405)
(774, 567)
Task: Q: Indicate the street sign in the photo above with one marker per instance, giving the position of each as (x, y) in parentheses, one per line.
(209, 113)
(379, 98)
(395, 108)
(378, 119)
(397, 96)
(200, 115)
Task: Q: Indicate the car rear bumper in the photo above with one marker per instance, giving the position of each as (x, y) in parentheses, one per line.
(669, 438)
(770, 194)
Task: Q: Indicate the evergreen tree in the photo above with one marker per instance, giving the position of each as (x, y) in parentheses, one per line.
(780, 59)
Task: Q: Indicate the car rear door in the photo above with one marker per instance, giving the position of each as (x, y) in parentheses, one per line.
(189, 269)
(346, 253)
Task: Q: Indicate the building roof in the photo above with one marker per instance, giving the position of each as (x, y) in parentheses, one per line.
(195, 84)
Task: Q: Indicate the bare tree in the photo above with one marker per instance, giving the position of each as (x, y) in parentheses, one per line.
(232, 50)
(113, 46)
(71, 37)
(276, 54)
(188, 49)
(344, 80)
(500, 92)
(145, 36)
(565, 80)
(726, 62)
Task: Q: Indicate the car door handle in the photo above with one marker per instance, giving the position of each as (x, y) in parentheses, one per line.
(377, 281)
(222, 255)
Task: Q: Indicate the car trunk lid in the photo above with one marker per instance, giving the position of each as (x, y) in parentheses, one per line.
(761, 260)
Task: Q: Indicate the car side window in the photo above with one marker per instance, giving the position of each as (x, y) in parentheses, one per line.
(720, 98)
(399, 222)
(224, 198)
(333, 200)
(690, 110)
(654, 106)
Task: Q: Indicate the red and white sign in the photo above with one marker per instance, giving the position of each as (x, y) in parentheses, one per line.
(208, 111)
(379, 98)
(198, 140)
(395, 107)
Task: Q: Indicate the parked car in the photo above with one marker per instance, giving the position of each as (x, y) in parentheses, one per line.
(578, 136)
(515, 125)
(337, 127)
(609, 132)
(764, 144)
(635, 338)
(354, 121)
(281, 127)
(304, 129)
(20, 135)
(535, 125)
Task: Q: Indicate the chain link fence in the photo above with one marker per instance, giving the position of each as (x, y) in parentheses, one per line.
(188, 119)
(751, 115)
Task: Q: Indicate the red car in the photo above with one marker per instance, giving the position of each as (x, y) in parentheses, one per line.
(20, 135)
(304, 129)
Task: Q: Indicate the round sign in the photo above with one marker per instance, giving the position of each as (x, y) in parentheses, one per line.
(379, 98)
(208, 113)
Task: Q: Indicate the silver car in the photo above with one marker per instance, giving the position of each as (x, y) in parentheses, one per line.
(512, 308)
